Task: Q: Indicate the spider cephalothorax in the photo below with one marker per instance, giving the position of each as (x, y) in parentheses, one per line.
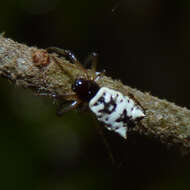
(116, 111)
(85, 89)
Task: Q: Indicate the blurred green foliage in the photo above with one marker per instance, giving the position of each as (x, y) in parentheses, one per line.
(145, 43)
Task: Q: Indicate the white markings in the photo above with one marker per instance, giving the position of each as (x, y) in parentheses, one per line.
(116, 111)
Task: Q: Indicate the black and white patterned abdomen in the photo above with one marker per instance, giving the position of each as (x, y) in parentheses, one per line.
(116, 111)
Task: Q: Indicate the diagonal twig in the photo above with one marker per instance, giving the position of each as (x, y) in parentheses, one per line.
(30, 67)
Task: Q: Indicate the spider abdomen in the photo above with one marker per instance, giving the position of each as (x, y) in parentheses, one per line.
(117, 111)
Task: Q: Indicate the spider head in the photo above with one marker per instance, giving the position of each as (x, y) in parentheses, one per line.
(85, 89)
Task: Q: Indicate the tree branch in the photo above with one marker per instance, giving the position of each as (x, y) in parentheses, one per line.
(34, 68)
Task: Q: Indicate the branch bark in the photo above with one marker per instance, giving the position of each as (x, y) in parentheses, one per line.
(30, 67)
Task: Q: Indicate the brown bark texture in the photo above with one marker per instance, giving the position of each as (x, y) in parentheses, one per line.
(34, 68)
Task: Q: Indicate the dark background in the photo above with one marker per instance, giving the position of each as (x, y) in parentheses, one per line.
(144, 43)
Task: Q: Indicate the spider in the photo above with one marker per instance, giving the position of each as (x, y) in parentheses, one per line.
(115, 110)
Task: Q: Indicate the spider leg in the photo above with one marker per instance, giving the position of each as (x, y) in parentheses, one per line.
(69, 54)
(91, 59)
(64, 107)
(63, 52)
(136, 101)
(57, 61)
(107, 145)
(91, 62)
(99, 75)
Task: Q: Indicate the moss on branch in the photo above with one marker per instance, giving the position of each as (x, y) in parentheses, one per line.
(34, 68)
